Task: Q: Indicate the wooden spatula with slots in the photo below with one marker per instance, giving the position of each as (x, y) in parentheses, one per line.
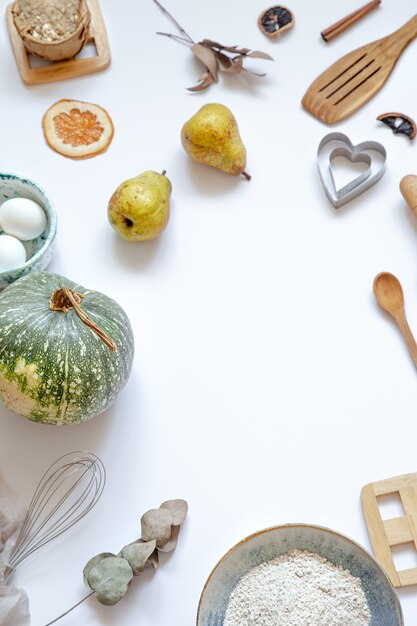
(353, 80)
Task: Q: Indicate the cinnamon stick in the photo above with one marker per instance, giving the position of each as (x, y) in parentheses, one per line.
(335, 29)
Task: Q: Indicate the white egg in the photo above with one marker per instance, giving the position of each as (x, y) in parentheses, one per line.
(12, 252)
(22, 218)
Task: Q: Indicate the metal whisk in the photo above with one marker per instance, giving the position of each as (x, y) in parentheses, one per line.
(68, 490)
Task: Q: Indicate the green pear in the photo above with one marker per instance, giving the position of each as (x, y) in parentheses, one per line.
(212, 137)
(139, 208)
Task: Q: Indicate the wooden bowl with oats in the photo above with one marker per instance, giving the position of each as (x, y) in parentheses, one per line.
(55, 30)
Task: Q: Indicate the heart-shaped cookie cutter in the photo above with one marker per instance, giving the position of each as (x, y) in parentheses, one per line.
(337, 144)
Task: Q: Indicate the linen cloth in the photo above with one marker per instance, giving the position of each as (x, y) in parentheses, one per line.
(14, 602)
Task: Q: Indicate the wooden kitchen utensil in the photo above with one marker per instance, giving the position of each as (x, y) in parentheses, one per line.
(353, 80)
(389, 294)
(408, 187)
(392, 532)
(62, 70)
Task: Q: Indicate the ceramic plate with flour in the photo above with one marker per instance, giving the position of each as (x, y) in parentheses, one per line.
(298, 574)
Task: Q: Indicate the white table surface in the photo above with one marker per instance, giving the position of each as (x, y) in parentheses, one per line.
(267, 386)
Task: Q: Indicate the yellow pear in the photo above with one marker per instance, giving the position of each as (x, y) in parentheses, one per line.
(139, 208)
(212, 137)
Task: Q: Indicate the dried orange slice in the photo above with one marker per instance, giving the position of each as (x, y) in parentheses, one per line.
(77, 129)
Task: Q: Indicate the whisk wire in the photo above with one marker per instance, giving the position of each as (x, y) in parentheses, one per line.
(37, 505)
(60, 502)
(38, 539)
(67, 491)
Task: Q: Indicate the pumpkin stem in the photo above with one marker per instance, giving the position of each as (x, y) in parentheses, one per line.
(65, 299)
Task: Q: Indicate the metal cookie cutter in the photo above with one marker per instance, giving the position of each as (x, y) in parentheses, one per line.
(337, 144)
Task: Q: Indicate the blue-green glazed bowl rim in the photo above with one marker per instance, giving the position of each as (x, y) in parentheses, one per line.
(51, 217)
(308, 526)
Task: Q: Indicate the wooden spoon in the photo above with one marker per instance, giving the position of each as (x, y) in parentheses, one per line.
(353, 80)
(390, 297)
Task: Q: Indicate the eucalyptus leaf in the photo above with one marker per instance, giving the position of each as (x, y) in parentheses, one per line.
(232, 49)
(178, 509)
(207, 80)
(236, 66)
(206, 56)
(223, 60)
(153, 560)
(137, 554)
(110, 579)
(171, 544)
(258, 54)
(156, 524)
(92, 563)
(212, 44)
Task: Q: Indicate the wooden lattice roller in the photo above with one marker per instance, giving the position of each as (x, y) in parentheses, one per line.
(384, 534)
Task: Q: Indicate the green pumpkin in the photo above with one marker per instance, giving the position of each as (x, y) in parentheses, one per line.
(55, 366)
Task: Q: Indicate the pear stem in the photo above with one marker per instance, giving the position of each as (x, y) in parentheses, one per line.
(246, 175)
(163, 172)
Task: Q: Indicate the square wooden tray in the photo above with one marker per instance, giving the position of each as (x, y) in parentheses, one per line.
(392, 532)
(62, 70)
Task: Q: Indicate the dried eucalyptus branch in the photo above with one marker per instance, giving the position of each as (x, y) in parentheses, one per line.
(109, 575)
(214, 56)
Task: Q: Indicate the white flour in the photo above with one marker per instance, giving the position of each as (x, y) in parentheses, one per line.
(299, 588)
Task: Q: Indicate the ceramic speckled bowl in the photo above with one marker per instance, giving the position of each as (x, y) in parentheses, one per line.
(39, 251)
(268, 544)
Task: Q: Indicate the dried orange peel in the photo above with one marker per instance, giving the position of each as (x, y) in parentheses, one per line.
(77, 129)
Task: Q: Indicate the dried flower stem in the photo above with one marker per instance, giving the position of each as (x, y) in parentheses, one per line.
(176, 37)
(69, 610)
(180, 28)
